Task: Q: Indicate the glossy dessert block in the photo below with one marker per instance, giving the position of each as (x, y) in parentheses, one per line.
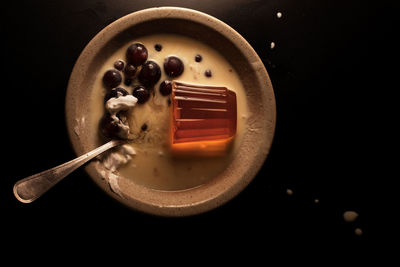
(203, 118)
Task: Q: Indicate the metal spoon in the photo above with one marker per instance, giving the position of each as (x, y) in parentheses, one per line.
(32, 187)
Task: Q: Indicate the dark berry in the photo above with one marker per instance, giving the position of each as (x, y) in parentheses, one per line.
(158, 47)
(128, 81)
(144, 127)
(108, 127)
(119, 65)
(166, 87)
(112, 78)
(173, 66)
(141, 93)
(208, 73)
(136, 54)
(198, 58)
(130, 70)
(115, 92)
(150, 74)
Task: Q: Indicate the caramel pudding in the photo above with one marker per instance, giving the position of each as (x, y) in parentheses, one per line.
(152, 163)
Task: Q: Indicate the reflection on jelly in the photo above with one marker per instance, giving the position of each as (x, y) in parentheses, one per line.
(203, 120)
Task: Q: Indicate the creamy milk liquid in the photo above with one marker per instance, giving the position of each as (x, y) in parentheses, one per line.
(153, 165)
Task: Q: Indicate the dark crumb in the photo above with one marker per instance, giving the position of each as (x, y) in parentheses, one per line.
(208, 73)
(169, 101)
(198, 58)
(144, 127)
(128, 81)
(230, 70)
(158, 47)
(156, 172)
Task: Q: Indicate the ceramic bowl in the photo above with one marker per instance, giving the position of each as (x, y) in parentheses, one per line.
(260, 98)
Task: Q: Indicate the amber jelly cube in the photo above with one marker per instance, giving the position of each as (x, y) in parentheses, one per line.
(203, 118)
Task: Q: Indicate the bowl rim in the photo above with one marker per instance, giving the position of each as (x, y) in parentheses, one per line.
(193, 200)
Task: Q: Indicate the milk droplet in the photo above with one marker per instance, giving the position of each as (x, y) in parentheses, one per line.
(272, 45)
(350, 216)
(289, 192)
(316, 201)
(279, 15)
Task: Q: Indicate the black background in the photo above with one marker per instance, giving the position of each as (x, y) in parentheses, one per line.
(322, 149)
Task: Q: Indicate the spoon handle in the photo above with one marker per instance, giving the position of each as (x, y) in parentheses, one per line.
(32, 187)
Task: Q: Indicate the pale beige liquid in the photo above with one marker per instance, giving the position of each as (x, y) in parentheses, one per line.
(154, 166)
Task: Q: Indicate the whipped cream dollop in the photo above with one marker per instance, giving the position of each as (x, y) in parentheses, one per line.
(113, 160)
(120, 157)
(117, 104)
